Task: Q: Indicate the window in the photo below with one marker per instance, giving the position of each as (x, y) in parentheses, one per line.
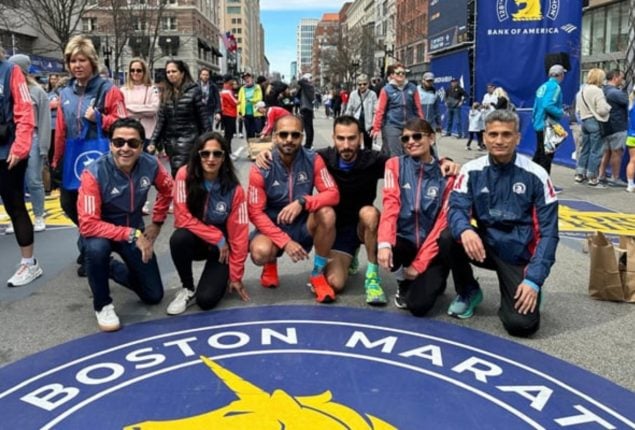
(586, 34)
(598, 38)
(233, 10)
(170, 51)
(168, 23)
(140, 24)
(89, 24)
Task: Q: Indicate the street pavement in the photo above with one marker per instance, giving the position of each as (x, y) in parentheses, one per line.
(598, 336)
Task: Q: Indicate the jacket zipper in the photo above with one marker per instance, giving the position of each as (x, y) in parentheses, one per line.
(417, 202)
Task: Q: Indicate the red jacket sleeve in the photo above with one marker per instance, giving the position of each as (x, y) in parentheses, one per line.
(89, 212)
(114, 108)
(430, 247)
(391, 204)
(238, 232)
(256, 203)
(380, 110)
(164, 185)
(328, 193)
(22, 114)
(183, 218)
(417, 101)
(60, 136)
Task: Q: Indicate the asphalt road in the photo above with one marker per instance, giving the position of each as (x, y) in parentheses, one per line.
(598, 336)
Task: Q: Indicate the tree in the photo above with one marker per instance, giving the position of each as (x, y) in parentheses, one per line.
(56, 20)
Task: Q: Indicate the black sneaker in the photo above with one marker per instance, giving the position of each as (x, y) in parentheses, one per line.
(400, 296)
(81, 271)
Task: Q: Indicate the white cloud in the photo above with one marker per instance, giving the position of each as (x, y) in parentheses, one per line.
(325, 5)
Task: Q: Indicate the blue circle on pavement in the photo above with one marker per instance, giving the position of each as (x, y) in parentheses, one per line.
(304, 367)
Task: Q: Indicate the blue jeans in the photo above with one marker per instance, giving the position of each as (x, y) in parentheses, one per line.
(592, 149)
(453, 113)
(34, 177)
(142, 278)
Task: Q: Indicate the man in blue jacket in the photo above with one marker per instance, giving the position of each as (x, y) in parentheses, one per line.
(515, 207)
(548, 104)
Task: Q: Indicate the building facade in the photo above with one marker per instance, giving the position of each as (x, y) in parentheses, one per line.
(305, 33)
(411, 36)
(385, 34)
(242, 19)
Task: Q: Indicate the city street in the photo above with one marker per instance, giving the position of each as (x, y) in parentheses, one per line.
(597, 336)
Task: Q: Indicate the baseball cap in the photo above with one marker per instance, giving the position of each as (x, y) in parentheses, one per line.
(428, 76)
(557, 70)
(22, 61)
(307, 76)
(247, 75)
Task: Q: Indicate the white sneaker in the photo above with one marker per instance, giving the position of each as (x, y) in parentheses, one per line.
(184, 298)
(146, 208)
(25, 274)
(630, 189)
(39, 224)
(107, 318)
(9, 229)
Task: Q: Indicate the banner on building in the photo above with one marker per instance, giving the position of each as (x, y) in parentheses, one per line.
(513, 39)
(447, 24)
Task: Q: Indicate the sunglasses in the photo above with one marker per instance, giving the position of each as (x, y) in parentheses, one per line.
(285, 135)
(205, 154)
(415, 136)
(400, 73)
(136, 70)
(363, 84)
(119, 142)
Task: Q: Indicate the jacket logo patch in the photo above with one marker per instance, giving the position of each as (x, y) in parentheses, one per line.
(275, 184)
(145, 183)
(406, 186)
(519, 188)
(115, 191)
(433, 192)
(302, 178)
(1, 90)
(484, 190)
(221, 207)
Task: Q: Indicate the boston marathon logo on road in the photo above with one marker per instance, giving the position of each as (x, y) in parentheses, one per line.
(577, 218)
(298, 367)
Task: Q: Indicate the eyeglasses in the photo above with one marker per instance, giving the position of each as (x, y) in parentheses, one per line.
(119, 142)
(205, 154)
(136, 70)
(415, 136)
(363, 84)
(284, 135)
(400, 73)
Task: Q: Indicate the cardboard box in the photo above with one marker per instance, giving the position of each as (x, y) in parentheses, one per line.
(255, 145)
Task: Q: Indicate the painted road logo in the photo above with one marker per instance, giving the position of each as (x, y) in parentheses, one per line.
(297, 367)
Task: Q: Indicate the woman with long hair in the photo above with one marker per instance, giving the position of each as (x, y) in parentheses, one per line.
(593, 109)
(85, 94)
(211, 224)
(182, 115)
(141, 96)
(410, 240)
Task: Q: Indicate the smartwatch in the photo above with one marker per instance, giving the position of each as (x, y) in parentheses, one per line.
(302, 201)
(134, 235)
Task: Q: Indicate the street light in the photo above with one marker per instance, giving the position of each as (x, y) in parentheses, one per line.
(354, 65)
(388, 52)
(107, 50)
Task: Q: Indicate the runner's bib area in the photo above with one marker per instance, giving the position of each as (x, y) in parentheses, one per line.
(304, 367)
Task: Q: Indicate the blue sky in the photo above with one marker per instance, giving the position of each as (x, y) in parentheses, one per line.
(280, 19)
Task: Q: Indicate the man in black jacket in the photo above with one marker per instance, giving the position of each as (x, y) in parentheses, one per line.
(211, 95)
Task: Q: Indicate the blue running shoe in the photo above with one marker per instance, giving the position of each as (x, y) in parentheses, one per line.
(463, 306)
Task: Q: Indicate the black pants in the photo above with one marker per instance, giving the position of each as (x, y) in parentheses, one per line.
(68, 202)
(422, 292)
(12, 194)
(509, 278)
(307, 122)
(187, 247)
(368, 141)
(540, 157)
(229, 125)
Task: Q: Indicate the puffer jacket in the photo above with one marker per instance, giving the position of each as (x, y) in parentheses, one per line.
(179, 123)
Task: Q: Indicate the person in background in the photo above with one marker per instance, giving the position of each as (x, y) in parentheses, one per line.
(182, 116)
(16, 132)
(618, 125)
(630, 145)
(272, 114)
(336, 103)
(344, 97)
(475, 126)
(85, 93)
(229, 109)
(548, 104)
(398, 103)
(307, 97)
(275, 90)
(489, 99)
(430, 101)
(113, 222)
(248, 95)
(211, 95)
(592, 106)
(211, 224)
(454, 98)
(54, 97)
(361, 105)
(502, 98)
(39, 146)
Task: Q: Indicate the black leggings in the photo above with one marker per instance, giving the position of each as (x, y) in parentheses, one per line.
(187, 247)
(307, 121)
(229, 125)
(12, 194)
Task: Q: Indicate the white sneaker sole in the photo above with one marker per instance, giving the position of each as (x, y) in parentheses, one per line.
(109, 328)
(37, 275)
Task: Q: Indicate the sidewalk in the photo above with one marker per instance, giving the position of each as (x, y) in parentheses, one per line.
(597, 336)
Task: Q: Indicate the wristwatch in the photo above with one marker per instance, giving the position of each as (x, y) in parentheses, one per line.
(134, 235)
(302, 201)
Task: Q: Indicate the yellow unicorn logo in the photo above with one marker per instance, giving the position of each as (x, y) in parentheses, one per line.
(257, 409)
(530, 12)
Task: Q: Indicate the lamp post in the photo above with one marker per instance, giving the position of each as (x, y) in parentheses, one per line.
(388, 52)
(354, 65)
(107, 50)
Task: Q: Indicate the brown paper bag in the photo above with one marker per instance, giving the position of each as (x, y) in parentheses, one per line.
(605, 282)
(627, 267)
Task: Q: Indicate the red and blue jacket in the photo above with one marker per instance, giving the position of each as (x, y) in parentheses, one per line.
(396, 106)
(110, 200)
(270, 190)
(16, 112)
(516, 211)
(415, 203)
(225, 218)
